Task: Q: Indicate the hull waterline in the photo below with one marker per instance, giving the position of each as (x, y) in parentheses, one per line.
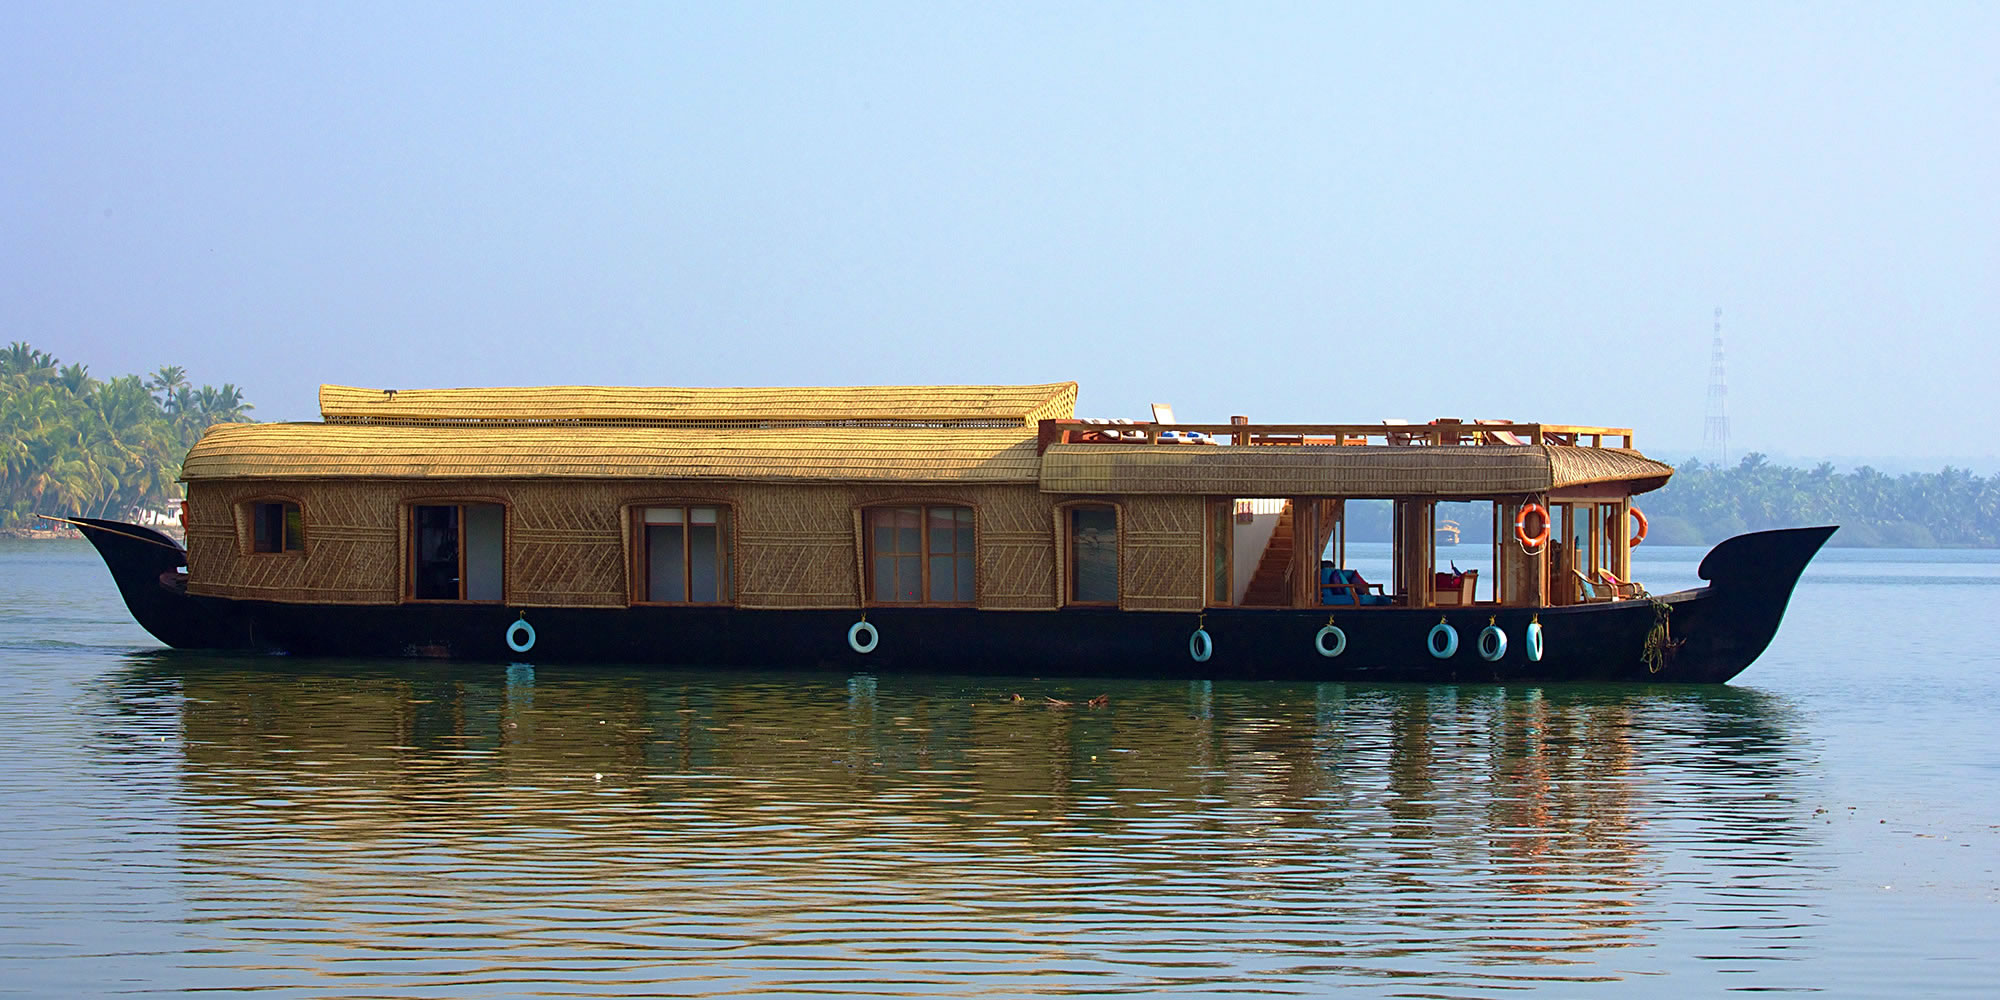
(1706, 635)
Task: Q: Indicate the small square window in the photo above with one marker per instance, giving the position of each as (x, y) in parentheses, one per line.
(276, 527)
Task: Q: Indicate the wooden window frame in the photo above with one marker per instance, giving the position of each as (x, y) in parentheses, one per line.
(409, 543)
(638, 565)
(248, 509)
(1066, 539)
(1216, 511)
(924, 507)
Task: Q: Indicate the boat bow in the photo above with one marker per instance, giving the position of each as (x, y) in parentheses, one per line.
(1750, 582)
(151, 572)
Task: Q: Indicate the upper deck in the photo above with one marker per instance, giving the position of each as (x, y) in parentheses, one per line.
(1242, 433)
(1444, 459)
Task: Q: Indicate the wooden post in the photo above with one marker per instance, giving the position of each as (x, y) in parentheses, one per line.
(1398, 552)
(1340, 536)
(1499, 553)
(1527, 575)
(1305, 557)
(1415, 551)
(1623, 541)
(1425, 547)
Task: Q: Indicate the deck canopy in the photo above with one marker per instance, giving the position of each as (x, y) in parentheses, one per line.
(962, 406)
(845, 454)
(1443, 473)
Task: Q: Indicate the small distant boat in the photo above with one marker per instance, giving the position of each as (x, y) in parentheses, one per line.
(1447, 532)
(928, 528)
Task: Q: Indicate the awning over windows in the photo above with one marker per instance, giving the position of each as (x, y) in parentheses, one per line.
(1443, 472)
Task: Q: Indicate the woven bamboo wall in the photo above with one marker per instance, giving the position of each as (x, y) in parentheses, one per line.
(568, 546)
(1160, 553)
(351, 556)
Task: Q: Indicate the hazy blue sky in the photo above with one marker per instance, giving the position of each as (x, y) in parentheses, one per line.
(1315, 212)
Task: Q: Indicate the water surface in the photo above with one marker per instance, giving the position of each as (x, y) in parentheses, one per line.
(343, 828)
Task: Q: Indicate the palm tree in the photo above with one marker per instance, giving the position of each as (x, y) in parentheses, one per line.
(182, 406)
(20, 359)
(228, 406)
(76, 378)
(165, 381)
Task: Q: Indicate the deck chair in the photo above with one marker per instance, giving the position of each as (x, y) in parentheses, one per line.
(1450, 431)
(1163, 414)
(1401, 437)
(1590, 591)
(1461, 595)
(1501, 437)
(1622, 589)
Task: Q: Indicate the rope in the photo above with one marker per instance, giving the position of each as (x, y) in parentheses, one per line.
(1660, 644)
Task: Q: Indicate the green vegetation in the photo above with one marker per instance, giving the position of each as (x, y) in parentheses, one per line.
(78, 446)
(1704, 503)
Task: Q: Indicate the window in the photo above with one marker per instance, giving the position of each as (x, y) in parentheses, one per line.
(457, 551)
(684, 555)
(276, 526)
(919, 555)
(1093, 555)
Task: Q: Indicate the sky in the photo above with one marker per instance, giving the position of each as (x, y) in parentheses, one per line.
(1295, 212)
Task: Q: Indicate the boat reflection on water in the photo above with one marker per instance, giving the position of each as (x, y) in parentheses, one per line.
(708, 832)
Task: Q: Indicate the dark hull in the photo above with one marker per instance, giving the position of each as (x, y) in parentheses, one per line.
(1714, 632)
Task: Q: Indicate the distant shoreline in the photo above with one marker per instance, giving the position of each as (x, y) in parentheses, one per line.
(65, 533)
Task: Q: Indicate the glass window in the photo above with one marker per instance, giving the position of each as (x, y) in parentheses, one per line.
(685, 554)
(276, 527)
(458, 552)
(919, 555)
(435, 544)
(485, 550)
(1093, 555)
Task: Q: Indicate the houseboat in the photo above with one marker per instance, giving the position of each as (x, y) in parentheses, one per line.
(975, 529)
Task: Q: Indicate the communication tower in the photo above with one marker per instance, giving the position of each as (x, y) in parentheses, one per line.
(1715, 425)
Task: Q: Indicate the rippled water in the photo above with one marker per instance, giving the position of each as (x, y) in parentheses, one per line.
(330, 828)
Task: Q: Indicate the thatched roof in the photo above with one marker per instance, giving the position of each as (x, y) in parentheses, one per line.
(337, 451)
(1445, 472)
(887, 406)
(902, 434)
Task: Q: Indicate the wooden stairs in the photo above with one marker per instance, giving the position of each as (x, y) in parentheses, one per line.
(1268, 585)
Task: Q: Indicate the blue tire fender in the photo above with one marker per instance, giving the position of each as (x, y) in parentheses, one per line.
(1449, 648)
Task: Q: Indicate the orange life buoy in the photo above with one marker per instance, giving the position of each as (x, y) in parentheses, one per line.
(1638, 535)
(1532, 542)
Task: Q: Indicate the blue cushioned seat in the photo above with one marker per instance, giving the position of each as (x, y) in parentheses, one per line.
(1351, 585)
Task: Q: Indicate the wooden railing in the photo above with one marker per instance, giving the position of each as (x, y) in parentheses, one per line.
(1434, 434)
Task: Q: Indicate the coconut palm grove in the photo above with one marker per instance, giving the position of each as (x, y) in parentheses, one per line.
(75, 445)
